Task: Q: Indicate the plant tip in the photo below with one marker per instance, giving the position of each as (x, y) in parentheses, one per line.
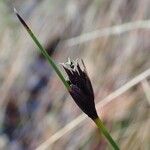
(15, 11)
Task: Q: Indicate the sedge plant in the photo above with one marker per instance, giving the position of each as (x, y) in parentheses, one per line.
(78, 85)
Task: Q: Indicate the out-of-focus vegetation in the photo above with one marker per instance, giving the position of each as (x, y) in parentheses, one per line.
(34, 103)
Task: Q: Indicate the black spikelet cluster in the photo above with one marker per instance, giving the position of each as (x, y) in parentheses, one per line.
(80, 87)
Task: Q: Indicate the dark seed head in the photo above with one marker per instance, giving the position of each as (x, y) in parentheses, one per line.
(80, 87)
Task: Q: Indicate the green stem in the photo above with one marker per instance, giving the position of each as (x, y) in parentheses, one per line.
(103, 129)
(51, 62)
(43, 51)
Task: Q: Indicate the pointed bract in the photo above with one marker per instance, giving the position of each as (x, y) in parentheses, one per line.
(21, 20)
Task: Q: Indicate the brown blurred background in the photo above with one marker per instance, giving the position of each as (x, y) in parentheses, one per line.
(111, 36)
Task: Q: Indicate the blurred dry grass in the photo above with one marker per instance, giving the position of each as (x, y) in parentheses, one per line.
(112, 59)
